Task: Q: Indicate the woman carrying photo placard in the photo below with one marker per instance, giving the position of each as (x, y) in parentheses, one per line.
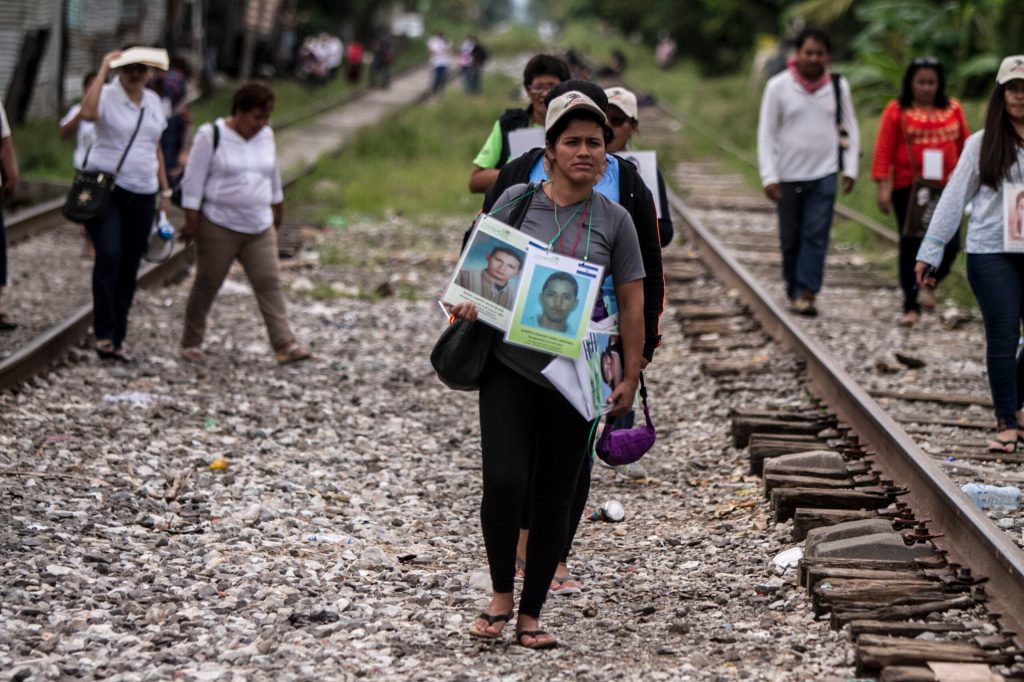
(989, 176)
(531, 436)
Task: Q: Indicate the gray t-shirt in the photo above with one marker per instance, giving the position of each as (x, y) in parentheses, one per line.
(613, 244)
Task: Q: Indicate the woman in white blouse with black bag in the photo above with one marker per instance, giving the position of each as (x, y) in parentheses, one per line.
(232, 196)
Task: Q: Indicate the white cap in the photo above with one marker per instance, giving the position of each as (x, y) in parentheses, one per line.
(563, 104)
(624, 100)
(1011, 68)
(155, 57)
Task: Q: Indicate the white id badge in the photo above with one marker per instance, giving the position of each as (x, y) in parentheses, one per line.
(932, 164)
(1013, 217)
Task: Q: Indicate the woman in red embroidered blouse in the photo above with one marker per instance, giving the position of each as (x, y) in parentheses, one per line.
(922, 118)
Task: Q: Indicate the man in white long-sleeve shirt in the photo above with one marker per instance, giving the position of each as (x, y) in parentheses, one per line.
(801, 149)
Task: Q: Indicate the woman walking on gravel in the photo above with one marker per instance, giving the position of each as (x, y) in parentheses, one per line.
(620, 182)
(990, 171)
(129, 121)
(233, 202)
(921, 136)
(531, 436)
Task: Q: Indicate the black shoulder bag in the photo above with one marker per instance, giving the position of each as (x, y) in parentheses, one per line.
(462, 350)
(90, 189)
(924, 194)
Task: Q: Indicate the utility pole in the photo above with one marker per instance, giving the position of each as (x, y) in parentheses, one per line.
(253, 13)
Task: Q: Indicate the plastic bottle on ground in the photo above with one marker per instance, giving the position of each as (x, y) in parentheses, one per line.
(992, 496)
(612, 511)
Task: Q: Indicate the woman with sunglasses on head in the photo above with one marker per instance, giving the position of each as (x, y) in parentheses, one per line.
(129, 120)
(534, 441)
(922, 121)
(621, 183)
(990, 168)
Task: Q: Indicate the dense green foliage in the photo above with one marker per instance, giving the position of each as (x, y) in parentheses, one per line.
(970, 38)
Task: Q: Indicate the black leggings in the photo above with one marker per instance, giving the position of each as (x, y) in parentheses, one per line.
(579, 499)
(908, 253)
(532, 439)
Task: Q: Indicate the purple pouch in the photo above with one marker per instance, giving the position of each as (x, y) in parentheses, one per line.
(616, 447)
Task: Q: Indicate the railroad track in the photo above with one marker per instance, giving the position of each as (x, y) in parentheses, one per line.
(938, 564)
(50, 345)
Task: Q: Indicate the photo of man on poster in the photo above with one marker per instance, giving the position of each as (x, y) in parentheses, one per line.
(558, 298)
(492, 282)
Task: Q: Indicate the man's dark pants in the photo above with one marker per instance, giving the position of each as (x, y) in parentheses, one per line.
(805, 219)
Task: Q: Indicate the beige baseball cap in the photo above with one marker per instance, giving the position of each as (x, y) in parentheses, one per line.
(624, 100)
(1010, 69)
(570, 101)
(155, 57)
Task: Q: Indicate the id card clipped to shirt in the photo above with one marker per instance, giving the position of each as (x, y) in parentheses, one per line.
(1013, 217)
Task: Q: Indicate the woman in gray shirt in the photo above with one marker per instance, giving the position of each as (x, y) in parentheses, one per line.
(531, 436)
(990, 168)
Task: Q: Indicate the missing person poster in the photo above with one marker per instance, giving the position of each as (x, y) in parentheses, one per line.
(647, 164)
(489, 271)
(554, 305)
(588, 381)
(1013, 217)
(523, 140)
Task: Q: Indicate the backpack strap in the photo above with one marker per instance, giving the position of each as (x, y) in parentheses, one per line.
(512, 119)
(839, 117)
(519, 211)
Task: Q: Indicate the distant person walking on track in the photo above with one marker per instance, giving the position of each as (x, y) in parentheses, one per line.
(129, 121)
(233, 203)
(85, 135)
(920, 138)
(542, 72)
(8, 188)
(532, 438)
(72, 124)
(806, 135)
(988, 176)
(440, 59)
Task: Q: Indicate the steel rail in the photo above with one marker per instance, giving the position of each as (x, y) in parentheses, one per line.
(970, 537)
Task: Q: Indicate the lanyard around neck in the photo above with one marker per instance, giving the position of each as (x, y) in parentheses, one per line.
(586, 216)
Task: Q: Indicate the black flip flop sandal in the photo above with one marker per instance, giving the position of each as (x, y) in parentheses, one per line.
(6, 323)
(535, 634)
(1002, 446)
(491, 619)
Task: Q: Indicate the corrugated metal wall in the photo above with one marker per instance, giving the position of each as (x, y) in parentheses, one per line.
(94, 28)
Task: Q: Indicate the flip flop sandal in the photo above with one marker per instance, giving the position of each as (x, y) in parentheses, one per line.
(1003, 447)
(559, 586)
(7, 323)
(491, 620)
(535, 634)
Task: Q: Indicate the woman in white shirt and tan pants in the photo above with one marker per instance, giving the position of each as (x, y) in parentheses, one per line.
(232, 196)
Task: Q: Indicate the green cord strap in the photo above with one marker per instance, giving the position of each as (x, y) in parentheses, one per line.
(514, 201)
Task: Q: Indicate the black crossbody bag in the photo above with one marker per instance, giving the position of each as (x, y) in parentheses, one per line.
(90, 189)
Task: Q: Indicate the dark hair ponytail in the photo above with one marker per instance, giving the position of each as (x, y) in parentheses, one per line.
(999, 143)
